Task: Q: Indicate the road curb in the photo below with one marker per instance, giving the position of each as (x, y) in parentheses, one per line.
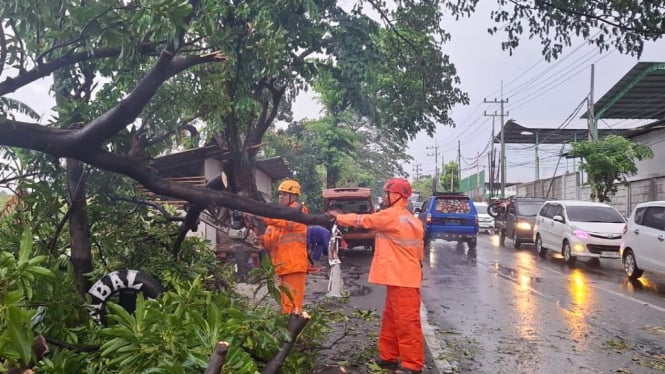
(436, 348)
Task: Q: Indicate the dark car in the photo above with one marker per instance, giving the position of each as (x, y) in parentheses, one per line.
(518, 220)
(450, 216)
(352, 200)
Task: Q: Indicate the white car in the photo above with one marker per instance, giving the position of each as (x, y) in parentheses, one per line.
(643, 244)
(485, 221)
(578, 229)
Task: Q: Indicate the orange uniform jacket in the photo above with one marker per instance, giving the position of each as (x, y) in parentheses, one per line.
(287, 243)
(398, 247)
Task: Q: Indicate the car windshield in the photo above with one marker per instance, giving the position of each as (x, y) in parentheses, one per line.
(528, 209)
(594, 214)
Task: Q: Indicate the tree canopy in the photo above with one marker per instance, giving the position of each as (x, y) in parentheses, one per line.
(608, 161)
(138, 75)
(624, 25)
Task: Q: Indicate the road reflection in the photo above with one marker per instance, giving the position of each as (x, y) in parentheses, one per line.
(638, 285)
(526, 308)
(581, 302)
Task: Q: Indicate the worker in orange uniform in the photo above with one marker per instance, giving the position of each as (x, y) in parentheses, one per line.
(397, 263)
(287, 244)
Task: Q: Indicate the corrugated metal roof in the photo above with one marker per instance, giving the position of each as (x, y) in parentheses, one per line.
(516, 133)
(189, 163)
(640, 94)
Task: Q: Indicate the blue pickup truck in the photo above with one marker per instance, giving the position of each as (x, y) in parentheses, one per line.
(452, 217)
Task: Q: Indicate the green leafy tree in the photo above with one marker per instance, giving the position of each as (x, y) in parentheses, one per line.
(624, 25)
(450, 177)
(232, 69)
(608, 162)
(424, 185)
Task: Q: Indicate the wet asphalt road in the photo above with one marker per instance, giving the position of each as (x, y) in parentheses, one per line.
(510, 311)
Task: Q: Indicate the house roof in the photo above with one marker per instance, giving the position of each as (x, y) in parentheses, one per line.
(189, 163)
(637, 95)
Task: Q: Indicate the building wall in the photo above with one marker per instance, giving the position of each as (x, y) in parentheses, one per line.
(568, 187)
(264, 184)
(652, 167)
(213, 169)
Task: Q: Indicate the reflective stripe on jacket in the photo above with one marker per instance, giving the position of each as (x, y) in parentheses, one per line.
(398, 247)
(287, 242)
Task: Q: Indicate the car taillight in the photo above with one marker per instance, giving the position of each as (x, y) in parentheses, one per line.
(428, 220)
(625, 229)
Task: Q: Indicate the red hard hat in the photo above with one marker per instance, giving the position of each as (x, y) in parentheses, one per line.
(398, 185)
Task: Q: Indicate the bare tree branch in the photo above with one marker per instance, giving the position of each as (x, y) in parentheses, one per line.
(41, 70)
(117, 118)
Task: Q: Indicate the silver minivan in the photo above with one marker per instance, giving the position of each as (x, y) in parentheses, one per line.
(643, 243)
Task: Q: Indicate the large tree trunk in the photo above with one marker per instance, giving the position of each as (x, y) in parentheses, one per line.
(81, 256)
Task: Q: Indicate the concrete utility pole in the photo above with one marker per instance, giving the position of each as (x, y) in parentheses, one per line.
(459, 163)
(591, 121)
(416, 169)
(502, 161)
(435, 147)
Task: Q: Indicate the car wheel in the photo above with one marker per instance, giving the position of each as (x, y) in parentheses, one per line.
(516, 243)
(459, 248)
(502, 238)
(567, 254)
(539, 247)
(630, 266)
(472, 244)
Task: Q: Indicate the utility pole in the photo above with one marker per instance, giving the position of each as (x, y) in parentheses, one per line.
(591, 121)
(416, 169)
(459, 162)
(435, 147)
(502, 161)
(478, 190)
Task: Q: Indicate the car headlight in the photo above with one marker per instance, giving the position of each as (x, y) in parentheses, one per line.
(523, 226)
(581, 234)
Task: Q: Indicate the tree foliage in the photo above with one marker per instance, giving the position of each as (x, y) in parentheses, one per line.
(450, 178)
(624, 25)
(156, 69)
(609, 161)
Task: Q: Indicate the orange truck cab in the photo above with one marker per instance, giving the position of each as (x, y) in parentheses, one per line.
(352, 200)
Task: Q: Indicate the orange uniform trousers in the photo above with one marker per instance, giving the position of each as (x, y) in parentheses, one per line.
(401, 335)
(295, 284)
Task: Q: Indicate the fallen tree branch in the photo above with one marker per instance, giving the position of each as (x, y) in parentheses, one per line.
(218, 357)
(296, 324)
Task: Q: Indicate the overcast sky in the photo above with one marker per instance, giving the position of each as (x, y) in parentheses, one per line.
(540, 94)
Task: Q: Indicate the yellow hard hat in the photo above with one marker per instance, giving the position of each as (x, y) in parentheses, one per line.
(289, 186)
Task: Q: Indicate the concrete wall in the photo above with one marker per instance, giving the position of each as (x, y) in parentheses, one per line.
(652, 167)
(568, 187)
